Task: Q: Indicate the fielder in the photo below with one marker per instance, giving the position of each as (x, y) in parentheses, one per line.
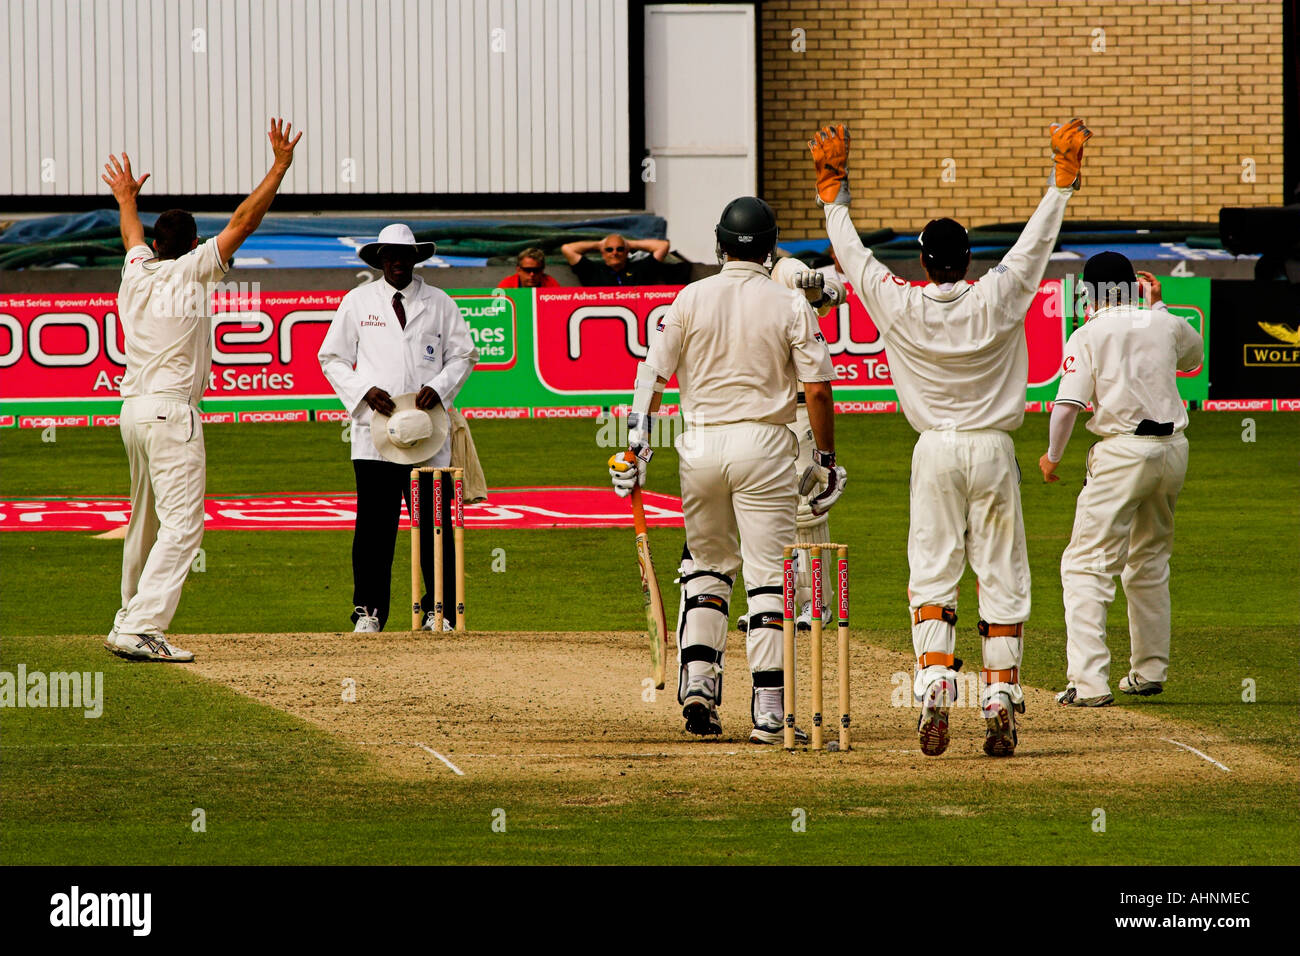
(739, 345)
(959, 361)
(165, 306)
(1124, 361)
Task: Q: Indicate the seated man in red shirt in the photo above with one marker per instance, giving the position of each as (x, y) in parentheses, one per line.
(530, 272)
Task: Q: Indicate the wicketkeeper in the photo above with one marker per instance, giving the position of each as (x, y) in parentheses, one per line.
(960, 364)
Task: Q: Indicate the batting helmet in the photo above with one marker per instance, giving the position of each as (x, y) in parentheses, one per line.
(747, 229)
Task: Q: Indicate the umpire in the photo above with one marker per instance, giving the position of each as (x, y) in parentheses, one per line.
(391, 338)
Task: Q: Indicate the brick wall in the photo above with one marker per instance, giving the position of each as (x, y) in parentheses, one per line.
(1182, 92)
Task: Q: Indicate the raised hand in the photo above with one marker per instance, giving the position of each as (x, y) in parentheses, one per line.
(281, 144)
(830, 152)
(121, 180)
(1067, 150)
(1148, 288)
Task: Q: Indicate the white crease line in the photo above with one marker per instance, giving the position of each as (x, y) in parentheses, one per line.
(623, 756)
(1197, 752)
(454, 769)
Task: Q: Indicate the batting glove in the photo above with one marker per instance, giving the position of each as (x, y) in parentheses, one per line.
(1067, 149)
(825, 474)
(627, 469)
(830, 153)
(811, 283)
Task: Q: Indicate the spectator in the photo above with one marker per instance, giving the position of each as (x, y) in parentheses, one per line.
(530, 272)
(615, 267)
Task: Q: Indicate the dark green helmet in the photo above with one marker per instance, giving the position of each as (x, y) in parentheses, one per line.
(747, 228)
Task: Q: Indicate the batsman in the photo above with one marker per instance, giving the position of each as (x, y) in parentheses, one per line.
(739, 344)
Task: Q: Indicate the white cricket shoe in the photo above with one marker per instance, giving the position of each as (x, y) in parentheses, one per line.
(117, 623)
(430, 623)
(367, 623)
(769, 718)
(147, 647)
(1135, 683)
(932, 725)
(1000, 735)
(804, 621)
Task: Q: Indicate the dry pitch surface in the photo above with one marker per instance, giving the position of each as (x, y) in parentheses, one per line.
(570, 708)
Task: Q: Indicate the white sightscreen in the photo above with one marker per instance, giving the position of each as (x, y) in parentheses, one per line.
(395, 96)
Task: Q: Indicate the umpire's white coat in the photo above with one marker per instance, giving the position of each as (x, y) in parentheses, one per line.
(366, 346)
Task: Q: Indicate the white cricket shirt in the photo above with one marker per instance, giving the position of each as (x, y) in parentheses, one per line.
(1124, 361)
(957, 353)
(739, 343)
(165, 307)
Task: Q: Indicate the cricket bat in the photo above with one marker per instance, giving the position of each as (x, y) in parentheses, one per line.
(656, 623)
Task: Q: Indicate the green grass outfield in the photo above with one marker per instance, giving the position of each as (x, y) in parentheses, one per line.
(286, 792)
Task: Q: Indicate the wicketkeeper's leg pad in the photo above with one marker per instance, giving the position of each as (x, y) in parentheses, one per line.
(934, 639)
(1002, 650)
(702, 628)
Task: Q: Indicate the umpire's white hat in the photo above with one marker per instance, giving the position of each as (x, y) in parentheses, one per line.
(398, 234)
(410, 436)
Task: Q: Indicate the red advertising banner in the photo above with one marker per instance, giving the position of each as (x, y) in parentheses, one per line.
(70, 347)
(546, 353)
(589, 341)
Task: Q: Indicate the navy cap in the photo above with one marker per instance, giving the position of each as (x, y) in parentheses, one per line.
(945, 244)
(1112, 267)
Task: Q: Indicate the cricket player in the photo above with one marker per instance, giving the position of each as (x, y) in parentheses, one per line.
(960, 364)
(739, 345)
(1125, 362)
(164, 305)
(825, 291)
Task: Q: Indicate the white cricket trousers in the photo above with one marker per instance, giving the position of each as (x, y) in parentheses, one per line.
(1123, 523)
(164, 445)
(739, 495)
(966, 508)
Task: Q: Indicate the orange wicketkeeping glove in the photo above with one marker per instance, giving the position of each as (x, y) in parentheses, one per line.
(1067, 148)
(830, 152)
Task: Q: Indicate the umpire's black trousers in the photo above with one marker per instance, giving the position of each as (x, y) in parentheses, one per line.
(382, 487)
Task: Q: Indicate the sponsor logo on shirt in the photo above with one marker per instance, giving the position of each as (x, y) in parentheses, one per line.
(1068, 365)
(820, 338)
(373, 320)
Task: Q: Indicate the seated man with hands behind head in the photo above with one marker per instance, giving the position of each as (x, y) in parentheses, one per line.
(615, 268)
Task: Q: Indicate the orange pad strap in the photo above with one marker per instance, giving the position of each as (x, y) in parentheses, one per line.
(933, 612)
